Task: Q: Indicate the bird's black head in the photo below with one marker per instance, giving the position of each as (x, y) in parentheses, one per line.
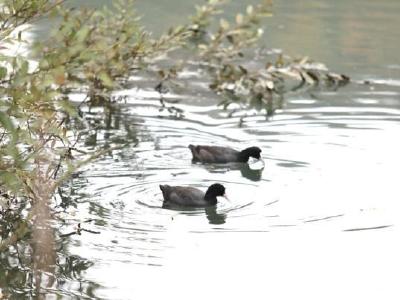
(215, 190)
(250, 152)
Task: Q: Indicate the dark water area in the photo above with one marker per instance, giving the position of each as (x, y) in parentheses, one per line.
(320, 221)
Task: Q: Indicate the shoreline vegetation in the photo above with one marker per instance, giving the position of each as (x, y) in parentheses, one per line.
(93, 53)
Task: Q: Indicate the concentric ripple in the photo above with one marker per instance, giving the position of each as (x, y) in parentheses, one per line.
(312, 177)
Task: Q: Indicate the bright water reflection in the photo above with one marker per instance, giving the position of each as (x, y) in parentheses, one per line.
(331, 164)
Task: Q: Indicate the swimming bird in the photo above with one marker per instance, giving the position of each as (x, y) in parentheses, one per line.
(215, 154)
(190, 196)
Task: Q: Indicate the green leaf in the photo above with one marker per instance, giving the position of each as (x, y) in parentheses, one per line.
(7, 123)
(24, 67)
(10, 179)
(68, 107)
(3, 72)
(106, 79)
(224, 24)
(82, 34)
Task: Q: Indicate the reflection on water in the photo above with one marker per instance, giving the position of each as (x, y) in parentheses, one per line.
(244, 168)
(214, 217)
(66, 276)
(330, 159)
(211, 212)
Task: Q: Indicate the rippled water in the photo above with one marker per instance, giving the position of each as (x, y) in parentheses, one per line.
(318, 222)
(331, 161)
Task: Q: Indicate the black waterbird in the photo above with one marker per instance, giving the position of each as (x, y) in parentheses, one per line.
(190, 196)
(216, 154)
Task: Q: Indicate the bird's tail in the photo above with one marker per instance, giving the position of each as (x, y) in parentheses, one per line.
(164, 189)
(194, 150)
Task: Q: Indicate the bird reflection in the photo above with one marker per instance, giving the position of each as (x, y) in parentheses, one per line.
(212, 215)
(244, 168)
(247, 172)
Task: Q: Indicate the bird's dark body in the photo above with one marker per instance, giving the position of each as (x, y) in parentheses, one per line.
(214, 154)
(217, 154)
(190, 196)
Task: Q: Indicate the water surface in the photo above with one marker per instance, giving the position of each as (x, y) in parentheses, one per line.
(319, 222)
